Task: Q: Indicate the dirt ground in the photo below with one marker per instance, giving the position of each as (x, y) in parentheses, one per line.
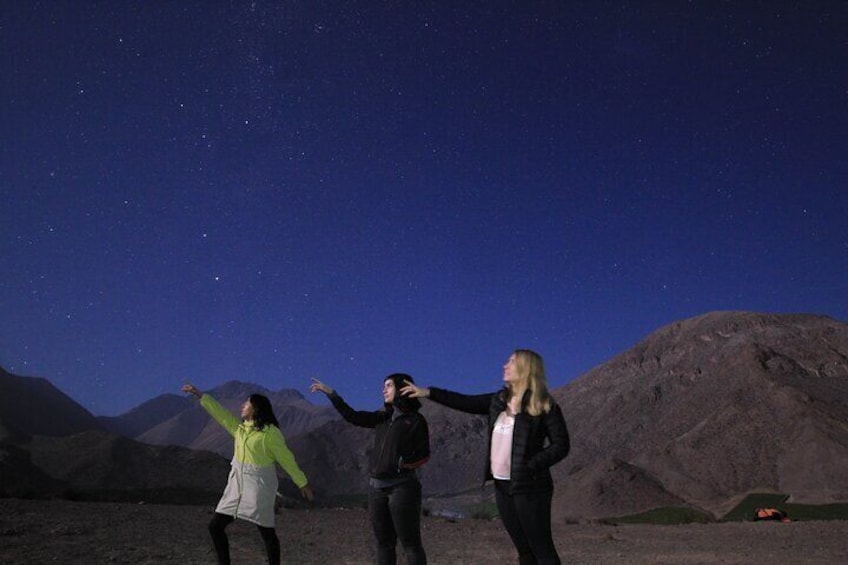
(33, 531)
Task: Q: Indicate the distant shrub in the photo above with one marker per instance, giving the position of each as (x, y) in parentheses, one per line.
(745, 509)
(836, 511)
(663, 516)
(483, 511)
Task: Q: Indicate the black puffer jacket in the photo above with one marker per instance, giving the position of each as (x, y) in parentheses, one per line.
(401, 441)
(538, 442)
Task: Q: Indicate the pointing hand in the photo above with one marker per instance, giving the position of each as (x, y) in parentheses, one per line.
(317, 386)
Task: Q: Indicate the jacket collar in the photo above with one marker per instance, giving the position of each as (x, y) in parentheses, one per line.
(502, 396)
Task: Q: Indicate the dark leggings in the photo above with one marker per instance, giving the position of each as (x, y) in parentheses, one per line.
(396, 514)
(218, 527)
(527, 518)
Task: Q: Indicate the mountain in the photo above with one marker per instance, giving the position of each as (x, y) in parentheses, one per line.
(50, 446)
(333, 453)
(708, 409)
(175, 420)
(35, 406)
(146, 415)
(699, 413)
(103, 466)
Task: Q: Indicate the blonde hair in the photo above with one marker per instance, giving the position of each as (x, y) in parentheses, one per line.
(531, 370)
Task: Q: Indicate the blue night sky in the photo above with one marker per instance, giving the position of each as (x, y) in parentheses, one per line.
(267, 191)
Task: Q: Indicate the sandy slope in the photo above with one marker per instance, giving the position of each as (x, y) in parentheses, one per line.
(92, 533)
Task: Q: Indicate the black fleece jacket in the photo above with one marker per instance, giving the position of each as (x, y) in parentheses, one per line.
(401, 441)
(538, 442)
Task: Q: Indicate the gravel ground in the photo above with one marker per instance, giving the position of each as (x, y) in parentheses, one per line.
(35, 531)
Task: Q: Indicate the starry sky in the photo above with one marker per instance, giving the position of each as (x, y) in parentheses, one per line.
(268, 191)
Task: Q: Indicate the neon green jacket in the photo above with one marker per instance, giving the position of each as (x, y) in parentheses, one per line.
(256, 447)
(252, 484)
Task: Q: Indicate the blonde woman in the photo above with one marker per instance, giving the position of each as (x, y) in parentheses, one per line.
(527, 435)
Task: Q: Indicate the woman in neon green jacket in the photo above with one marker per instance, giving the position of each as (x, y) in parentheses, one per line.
(252, 484)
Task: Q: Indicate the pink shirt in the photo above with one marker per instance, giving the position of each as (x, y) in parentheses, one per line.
(501, 455)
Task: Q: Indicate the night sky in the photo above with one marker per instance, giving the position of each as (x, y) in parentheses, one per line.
(268, 191)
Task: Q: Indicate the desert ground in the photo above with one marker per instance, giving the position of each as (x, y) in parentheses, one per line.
(55, 531)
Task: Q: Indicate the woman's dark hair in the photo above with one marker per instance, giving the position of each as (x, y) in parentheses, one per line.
(401, 402)
(263, 412)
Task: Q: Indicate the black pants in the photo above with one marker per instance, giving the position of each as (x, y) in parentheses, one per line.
(527, 518)
(218, 527)
(395, 513)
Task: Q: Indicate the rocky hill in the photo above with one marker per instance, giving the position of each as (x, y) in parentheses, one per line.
(707, 409)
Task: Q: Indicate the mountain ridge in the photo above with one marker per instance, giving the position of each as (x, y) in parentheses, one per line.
(698, 413)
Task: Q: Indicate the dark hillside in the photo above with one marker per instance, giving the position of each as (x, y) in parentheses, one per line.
(35, 406)
(711, 408)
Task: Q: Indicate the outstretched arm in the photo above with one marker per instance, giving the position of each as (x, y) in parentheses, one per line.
(472, 404)
(214, 409)
(356, 417)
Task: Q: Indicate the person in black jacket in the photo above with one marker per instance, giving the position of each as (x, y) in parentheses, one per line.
(527, 435)
(401, 445)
